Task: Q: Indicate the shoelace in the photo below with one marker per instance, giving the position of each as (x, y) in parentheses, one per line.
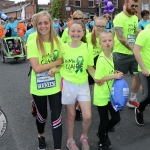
(84, 142)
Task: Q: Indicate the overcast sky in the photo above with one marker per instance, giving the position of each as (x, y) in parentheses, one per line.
(39, 1)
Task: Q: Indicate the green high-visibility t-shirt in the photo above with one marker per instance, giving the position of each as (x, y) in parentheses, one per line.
(129, 25)
(143, 40)
(148, 26)
(66, 38)
(104, 67)
(97, 49)
(42, 84)
(76, 62)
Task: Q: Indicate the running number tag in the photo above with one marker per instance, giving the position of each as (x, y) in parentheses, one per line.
(44, 81)
(3, 123)
(131, 39)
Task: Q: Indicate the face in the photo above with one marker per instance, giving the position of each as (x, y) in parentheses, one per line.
(107, 17)
(76, 32)
(43, 25)
(131, 7)
(100, 26)
(146, 17)
(106, 41)
(77, 17)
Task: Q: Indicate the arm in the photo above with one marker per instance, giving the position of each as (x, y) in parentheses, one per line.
(54, 70)
(91, 71)
(113, 76)
(41, 68)
(138, 57)
(122, 39)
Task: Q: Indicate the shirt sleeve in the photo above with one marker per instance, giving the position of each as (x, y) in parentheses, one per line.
(118, 22)
(141, 38)
(91, 59)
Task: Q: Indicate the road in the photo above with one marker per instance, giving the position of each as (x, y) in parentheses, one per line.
(21, 133)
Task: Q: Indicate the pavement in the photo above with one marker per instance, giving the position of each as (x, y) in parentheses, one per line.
(21, 133)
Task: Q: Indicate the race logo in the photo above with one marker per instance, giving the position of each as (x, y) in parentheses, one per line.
(79, 64)
(3, 123)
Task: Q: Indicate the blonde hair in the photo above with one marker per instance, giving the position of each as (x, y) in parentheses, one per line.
(93, 33)
(79, 12)
(52, 34)
(83, 27)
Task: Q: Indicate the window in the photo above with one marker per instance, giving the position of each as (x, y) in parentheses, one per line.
(78, 3)
(145, 6)
(91, 3)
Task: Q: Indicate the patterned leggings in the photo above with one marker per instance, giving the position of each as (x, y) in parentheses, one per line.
(56, 120)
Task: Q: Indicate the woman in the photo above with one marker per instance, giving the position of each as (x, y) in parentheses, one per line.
(109, 23)
(44, 54)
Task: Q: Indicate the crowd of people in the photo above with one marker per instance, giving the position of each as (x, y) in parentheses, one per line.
(71, 61)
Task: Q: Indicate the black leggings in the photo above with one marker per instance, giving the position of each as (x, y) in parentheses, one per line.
(105, 123)
(56, 120)
(145, 82)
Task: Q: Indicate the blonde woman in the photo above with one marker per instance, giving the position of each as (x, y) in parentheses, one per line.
(44, 54)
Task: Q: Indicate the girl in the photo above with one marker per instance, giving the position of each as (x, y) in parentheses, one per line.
(105, 73)
(142, 54)
(93, 39)
(78, 58)
(44, 54)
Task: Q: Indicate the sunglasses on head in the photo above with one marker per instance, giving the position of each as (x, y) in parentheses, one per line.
(77, 18)
(134, 6)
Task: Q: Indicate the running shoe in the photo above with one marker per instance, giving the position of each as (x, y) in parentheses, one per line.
(42, 143)
(139, 117)
(133, 104)
(84, 142)
(72, 145)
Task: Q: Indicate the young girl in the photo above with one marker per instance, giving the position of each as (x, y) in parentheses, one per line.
(78, 57)
(93, 39)
(105, 73)
(17, 46)
(44, 54)
(142, 54)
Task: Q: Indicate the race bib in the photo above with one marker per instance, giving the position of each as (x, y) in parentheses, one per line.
(44, 81)
(131, 39)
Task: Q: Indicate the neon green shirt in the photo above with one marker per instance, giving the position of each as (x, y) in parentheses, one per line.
(42, 84)
(143, 40)
(97, 49)
(148, 26)
(66, 38)
(129, 25)
(76, 61)
(103, 69)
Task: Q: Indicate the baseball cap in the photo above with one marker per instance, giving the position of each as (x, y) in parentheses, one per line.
(55, 19)
(16, 39)
(9, 42)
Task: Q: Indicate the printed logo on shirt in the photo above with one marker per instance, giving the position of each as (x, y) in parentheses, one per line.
(79, 64)
(132, 28)
(50, 57)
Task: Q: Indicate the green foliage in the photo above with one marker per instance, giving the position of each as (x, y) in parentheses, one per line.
(37, 9)
(56, 8)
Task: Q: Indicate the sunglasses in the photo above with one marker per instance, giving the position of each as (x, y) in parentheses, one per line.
(132, 6)
(77, 18)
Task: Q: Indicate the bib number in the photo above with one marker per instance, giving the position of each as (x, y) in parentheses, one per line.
(15, 29)
(44, 81)
(3, 123)
(131, 39)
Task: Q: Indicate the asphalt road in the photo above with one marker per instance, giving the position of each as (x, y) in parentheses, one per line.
(21, 133)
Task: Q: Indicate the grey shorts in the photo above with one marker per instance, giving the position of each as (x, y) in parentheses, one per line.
(125, 63)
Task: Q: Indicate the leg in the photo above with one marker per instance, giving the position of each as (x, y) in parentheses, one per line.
(56, 119)
(103, 113)
(145, 81)
(41, 109)
(87, 115)
(115, 118)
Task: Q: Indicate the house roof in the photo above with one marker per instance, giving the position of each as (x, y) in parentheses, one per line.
(15, 8)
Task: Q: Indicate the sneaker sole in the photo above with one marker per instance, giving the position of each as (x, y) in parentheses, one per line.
(131, 106)
(42, 149)
(136, 119)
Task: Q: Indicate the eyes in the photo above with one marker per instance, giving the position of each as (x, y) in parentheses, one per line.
(43, 23)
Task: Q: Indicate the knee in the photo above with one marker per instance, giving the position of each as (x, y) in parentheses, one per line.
(71, 116)
(87, 118)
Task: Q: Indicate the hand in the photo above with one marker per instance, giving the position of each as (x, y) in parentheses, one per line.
(145, 72)
(59, 61)
(52, 72)
(99, 82)
(118, 75)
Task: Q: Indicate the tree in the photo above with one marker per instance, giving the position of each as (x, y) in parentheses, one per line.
(56, 8)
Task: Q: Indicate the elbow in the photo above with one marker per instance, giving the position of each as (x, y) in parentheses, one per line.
(36, 70)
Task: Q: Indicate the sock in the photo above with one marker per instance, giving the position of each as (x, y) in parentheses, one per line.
(133, 96)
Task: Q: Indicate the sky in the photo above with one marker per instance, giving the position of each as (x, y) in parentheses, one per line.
(39, 1)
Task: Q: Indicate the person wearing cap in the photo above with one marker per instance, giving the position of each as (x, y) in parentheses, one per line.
(13, 26)
(56, 26)
(11, 47)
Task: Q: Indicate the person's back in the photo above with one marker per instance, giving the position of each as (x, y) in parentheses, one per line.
(21, 29)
